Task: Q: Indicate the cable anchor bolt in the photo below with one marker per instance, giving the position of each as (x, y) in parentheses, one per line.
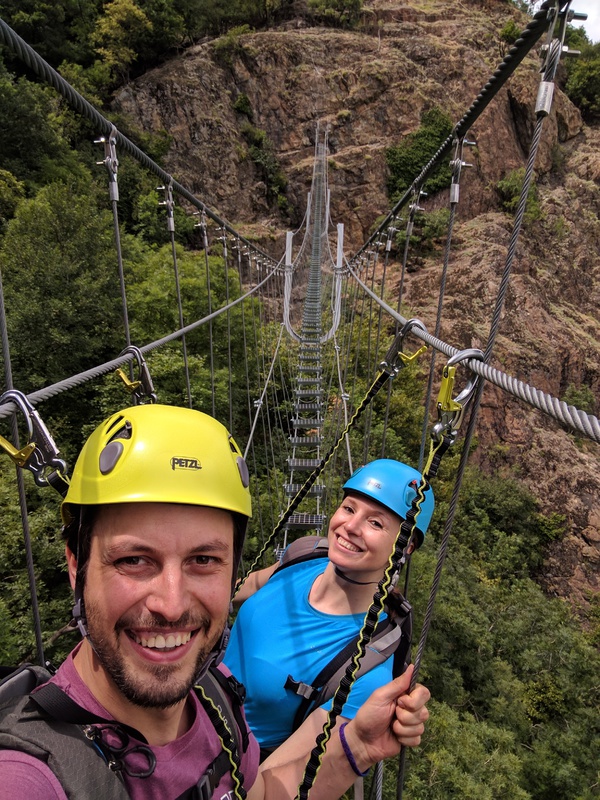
(451, 410)
(142, 388)
(40, 455)
(395, 358)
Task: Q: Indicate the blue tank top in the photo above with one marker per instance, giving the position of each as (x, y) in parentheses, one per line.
(278, 633)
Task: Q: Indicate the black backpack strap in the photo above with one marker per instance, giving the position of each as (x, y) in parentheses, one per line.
(206, 786)
(304, 549)
(391, 635)
(227, 694)
(58, 705)
(75, 760)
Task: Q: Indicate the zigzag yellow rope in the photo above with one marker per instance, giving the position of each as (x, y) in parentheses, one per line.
(363, 640)
(239, 791)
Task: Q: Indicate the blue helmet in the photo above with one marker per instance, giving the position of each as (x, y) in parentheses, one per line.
(393, 485)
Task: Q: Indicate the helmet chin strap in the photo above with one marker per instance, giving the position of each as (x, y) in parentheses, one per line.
(218, 652)
(394, 581)
(79, 611)
(345, 577)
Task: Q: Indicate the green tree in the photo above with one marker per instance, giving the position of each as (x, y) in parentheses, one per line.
(583, 81)
(119, 34)
(32, 138)
(406, 159)
(509, 189)
(61, 286)
(343, 13)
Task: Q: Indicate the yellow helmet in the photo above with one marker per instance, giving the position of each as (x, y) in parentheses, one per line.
(160, 454)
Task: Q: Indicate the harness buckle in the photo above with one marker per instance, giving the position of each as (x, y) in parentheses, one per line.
(142, 388)
(395, 358)
(451, 410)
(40, 453)
(301, 689)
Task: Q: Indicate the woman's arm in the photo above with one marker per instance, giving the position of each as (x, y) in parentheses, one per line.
(254, 582)
(390, 718)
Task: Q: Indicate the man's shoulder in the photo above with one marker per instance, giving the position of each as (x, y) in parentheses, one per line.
(24, 777)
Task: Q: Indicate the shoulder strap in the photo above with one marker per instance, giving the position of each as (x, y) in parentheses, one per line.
(22, 681)
(62, 746)
(304, 549)
(390, 637)
(228, 694)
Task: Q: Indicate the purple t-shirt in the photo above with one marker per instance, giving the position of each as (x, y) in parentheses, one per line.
(179, 764)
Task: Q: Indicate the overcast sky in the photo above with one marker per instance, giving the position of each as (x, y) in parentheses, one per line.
(592, 24)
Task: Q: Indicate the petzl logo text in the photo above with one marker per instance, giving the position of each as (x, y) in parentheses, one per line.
(178, 462)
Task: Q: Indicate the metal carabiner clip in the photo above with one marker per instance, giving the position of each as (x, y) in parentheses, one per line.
(40, 452)
(451, 411)
(395, 358)
(143, 388)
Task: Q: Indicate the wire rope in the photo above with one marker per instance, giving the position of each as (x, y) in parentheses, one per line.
(8, 377)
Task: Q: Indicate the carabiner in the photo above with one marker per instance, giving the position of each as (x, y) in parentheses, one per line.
(395, 358)
(451, 411)
(143, 387)
(40, 452)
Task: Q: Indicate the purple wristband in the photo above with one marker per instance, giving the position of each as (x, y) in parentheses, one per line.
(349, 755)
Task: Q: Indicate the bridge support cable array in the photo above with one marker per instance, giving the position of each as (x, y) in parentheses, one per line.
(337, 319)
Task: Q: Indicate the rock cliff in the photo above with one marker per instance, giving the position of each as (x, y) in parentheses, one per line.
(371, 86)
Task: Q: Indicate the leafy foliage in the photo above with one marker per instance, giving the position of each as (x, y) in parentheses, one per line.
(406, 159)
(262, 153)
(583, 81)
(344, 13)
(513, 677)
(509, 189)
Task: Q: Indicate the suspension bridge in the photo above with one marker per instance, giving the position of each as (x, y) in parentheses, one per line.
(324, 333)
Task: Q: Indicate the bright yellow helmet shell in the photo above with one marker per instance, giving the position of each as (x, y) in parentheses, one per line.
(160, 454)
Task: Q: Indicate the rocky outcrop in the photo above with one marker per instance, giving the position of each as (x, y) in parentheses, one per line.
(370, 87)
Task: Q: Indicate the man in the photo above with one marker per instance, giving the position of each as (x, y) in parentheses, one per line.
(155, 519)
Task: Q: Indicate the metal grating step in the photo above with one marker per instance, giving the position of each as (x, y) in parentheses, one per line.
(292, 489)
(306, 522)
(303, 463)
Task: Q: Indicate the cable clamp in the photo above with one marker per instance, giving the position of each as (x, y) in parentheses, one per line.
(143, 388)
(110, 161)
(395, 358)
(168, 203)
(40, 453)
(452, 410)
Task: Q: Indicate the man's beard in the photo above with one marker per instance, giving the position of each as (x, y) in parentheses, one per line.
(158, 686)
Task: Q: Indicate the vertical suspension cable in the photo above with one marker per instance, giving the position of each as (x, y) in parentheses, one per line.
(112, 166)
(457, 165)
(542, 110)
(204, 229)
(8, 377)
(169, 205)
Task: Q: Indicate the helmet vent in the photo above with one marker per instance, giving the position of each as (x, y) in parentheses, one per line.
(122, 433)
(118, 419)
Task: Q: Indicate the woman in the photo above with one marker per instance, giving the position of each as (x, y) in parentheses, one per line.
(294, 621)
